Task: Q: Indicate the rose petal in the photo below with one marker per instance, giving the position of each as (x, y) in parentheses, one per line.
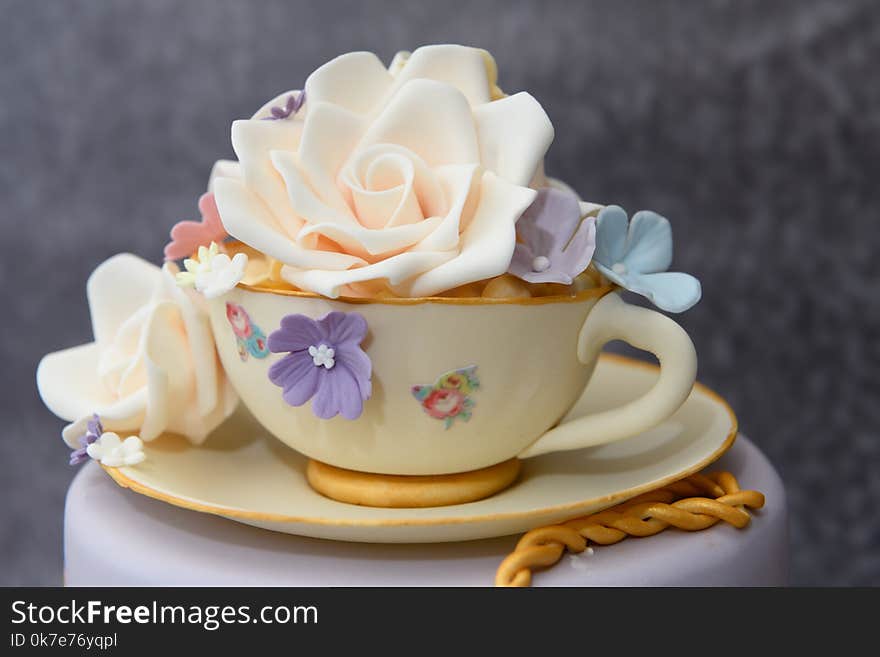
(463, 67)
(170, 387)
(253, 142)
(117, 288)
(355, 81)
(330, 133)
(68, 386)
(372, 243)
(212, 387)
(246, 219)
(487, 243)
(381, 184)
(430, 118)
(305, 202)
(224, 169)
(514, 133)
(360, 171)
(460, 184)
(387, 207)
(395, 269)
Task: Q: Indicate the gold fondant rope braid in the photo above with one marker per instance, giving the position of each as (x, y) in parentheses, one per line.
(683, 504)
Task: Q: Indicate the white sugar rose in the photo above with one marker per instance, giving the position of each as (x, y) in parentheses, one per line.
(412, 176)
(153, 366)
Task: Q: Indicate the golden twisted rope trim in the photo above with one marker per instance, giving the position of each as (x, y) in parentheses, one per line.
(682, 504)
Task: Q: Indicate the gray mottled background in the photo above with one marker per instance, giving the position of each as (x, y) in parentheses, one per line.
(754, 126)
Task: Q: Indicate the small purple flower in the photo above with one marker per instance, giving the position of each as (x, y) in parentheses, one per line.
(291, 107)
(555, 244)
(325, 363)
(94, 429)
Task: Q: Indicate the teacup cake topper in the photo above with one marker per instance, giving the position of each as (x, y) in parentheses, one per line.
(379, 224)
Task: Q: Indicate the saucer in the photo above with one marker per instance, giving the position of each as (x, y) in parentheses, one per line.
(244, 474)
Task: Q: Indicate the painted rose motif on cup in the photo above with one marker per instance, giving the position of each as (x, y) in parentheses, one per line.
(449, 397)
(249, 338)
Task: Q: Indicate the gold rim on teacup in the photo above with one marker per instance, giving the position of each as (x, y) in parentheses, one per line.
(588, 293)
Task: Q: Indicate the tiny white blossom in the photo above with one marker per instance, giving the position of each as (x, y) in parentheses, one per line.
(114, 452)
(221, 275)
(194, 266)
(322, 355)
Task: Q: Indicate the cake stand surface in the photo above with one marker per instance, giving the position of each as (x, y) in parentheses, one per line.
(114, 537)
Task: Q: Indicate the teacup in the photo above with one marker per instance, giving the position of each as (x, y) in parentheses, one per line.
(457, 383)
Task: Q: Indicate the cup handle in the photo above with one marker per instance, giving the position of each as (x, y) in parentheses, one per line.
(614, 319)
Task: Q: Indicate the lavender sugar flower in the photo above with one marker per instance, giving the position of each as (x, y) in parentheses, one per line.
(555, 243)
(94, 429)
(325, 363)
(291, 107)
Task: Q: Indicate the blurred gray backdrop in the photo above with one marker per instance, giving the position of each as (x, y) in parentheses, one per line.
(754, 126)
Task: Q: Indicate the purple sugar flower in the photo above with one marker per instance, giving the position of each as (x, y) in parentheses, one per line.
(94, 429)
(291, 107)
(325, 363)
(555, 244)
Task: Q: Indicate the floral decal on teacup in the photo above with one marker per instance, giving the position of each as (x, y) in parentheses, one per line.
(449, 397)
(248, 336)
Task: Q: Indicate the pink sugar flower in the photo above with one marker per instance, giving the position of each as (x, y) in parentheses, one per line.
(188, 236)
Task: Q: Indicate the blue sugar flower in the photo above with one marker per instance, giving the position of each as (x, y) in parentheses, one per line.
(636, 255)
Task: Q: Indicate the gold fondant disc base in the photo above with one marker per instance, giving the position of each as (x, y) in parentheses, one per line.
(410, 491)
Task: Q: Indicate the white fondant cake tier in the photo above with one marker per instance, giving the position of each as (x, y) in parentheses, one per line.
(114, 537)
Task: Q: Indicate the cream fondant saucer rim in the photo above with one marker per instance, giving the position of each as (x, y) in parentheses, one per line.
(609, 500)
